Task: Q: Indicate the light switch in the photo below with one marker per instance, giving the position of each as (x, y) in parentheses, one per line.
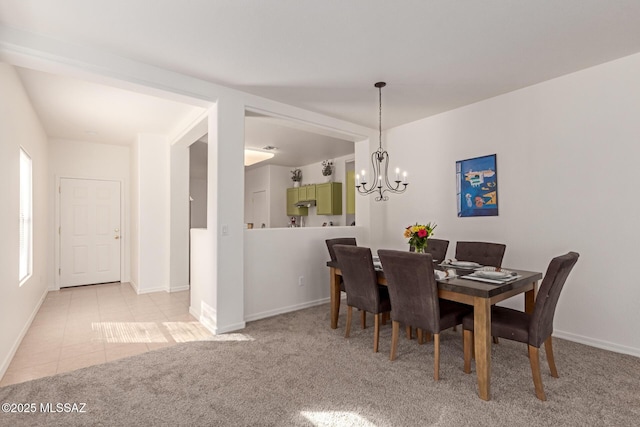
(225, 230)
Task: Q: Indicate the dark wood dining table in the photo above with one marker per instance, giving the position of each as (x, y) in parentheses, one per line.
(480, 295)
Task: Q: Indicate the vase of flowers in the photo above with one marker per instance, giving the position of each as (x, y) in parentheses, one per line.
(296, 177)
(418, 235)
(327, 170)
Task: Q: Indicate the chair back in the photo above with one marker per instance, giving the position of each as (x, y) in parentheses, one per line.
(412, 288)
(339, 241)
(481, 252)
(541, 326)
(360, 277)
(437, 248)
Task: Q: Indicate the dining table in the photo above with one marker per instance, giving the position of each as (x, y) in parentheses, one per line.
(479, 294)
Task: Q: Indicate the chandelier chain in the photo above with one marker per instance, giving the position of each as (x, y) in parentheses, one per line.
(380, 117)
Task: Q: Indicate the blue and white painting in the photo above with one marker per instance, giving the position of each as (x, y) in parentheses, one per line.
(477, 186)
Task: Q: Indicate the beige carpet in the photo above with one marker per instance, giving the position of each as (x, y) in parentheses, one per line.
(292, 370)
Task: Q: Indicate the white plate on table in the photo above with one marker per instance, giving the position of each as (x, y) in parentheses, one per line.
(492, 274)
(464, 264)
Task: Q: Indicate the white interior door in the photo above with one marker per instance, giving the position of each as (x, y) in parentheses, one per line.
(89, 232)
(259, 203)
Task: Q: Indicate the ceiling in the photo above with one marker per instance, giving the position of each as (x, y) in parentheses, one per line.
(325, 56)
(78, 110)
(293, 146)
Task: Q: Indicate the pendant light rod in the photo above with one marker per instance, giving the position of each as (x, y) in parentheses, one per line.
(380, 164)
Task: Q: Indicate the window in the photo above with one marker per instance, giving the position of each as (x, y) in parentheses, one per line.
(26, 215)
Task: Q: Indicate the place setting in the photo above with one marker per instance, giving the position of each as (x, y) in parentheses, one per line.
(460, 265)
(495, 275)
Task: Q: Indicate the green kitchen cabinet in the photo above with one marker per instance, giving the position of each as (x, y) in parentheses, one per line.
(351, 192)
(329, 198)
(292, 199)
(307, 192)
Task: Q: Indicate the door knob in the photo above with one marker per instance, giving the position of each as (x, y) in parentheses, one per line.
(116, 237)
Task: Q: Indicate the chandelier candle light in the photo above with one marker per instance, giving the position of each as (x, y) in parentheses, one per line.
(380, 164)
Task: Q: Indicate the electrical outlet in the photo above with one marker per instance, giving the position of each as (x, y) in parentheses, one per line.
(301, 281)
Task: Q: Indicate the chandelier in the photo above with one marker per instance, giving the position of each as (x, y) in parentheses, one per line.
(380, 165)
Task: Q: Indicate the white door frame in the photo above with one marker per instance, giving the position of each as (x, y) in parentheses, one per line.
(124, 222)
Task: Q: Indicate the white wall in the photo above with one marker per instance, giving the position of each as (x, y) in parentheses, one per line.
(255, 180)
(20, 127)
(276, 258)
(225, 202)
(153, 213)
(274, 180)
(85, 160)
(179, 218)
(204, 299)
(567, 153)
(134, 219)
(279, 179)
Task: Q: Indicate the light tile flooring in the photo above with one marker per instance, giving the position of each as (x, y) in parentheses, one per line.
(89, 325)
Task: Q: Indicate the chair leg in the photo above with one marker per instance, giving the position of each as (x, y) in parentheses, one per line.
(534, 359)
(395, 331)
(467, 337)
(409, 333)
(495, 340)
(376, 331)
(363, 319)
(420, 336)
(347, 328)
(384, 318)
(455, 328)
(436, 357)
(548, 347)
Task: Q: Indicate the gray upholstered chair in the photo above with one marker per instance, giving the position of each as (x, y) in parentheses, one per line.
(361, 284)
(532, 329)
(483, 253)
(414, 297)
(332, 254)
(436, 247)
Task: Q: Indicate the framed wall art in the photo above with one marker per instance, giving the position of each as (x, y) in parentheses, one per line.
(477, 186)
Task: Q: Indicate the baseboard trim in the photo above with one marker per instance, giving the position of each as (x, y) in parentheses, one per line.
(282, 310)
(150, 291)
(179, 288)
(231, 328)
(605, 345)
(7, 360)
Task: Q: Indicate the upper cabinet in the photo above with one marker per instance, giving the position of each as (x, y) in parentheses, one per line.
(293, 197)
(329, 198)
(351, 192)
(307, 192)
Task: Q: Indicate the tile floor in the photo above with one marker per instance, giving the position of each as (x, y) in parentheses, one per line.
(88, 325)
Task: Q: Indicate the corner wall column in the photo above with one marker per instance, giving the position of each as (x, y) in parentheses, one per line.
(225, 207)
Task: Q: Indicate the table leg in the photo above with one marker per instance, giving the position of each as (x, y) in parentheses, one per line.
(482, 336)
(530, 299)
(334, 292)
